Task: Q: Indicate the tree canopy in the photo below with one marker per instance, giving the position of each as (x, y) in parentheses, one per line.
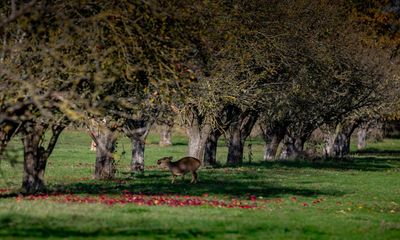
(293, 65)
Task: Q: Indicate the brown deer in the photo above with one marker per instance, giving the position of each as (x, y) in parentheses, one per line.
(181, 167)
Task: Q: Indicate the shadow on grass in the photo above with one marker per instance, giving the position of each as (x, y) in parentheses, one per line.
(156, 183)
(37, 227)
(376, 151)
(359, 163)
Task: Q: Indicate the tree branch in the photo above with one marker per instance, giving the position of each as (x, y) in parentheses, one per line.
(17, 13)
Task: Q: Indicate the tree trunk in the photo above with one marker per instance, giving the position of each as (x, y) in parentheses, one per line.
(271, 148)
(165, 135)
(341, 146)
(105, 147)
(210, 154)
(235, 147)
(361, 137)
(292, 147)
(197, 141)
(337, 145)
(273, 135)
(137, 131)
(35, 156)
(31, 181)
(137, 163)
(197, 131)
(239, 130)
(105, 140)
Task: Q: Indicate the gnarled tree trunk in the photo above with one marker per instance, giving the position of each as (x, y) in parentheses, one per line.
(104, 168)
(165, 135)
(105, 139)
(292, 147)
(197, 131)
(296, 136)
(210, 154)
(224, 119)
(337, 145)
(35, 155)
(137, 131)
(239, 130)
(271, 147)
(273, 136)
(361, 138)
(235, 147)
(197, 140)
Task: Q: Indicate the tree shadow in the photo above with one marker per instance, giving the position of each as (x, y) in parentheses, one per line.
(158, 183)
(380, 152)
(43, 227)
(359, 163)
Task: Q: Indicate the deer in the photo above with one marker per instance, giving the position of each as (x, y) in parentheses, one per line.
(181, 167)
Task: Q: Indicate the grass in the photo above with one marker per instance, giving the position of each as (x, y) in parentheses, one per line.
(353, 199)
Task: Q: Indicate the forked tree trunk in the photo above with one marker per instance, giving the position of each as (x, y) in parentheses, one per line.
(137, 162)
(273, 136)
(165, 135)
(337, 145)
(31, 181)
(224, 119)
(197, 141)
(271, 147)
(341, 147)
(239, 130)
(361, 138)
(197, 131)
(293, 147)
(105, 147)
(35, 156)
(137, 131)
(210, 154)
(235, 147)
(105, 139)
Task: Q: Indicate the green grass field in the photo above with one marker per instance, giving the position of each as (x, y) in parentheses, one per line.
(354, 199)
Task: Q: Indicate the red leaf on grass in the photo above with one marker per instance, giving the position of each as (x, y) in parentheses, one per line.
(316, 201)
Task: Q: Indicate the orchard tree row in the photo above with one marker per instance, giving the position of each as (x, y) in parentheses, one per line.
(120, 66)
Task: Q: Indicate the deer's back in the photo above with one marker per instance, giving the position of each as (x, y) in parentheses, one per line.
(186, 164)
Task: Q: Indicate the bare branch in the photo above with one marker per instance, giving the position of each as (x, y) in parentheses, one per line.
(17, 13)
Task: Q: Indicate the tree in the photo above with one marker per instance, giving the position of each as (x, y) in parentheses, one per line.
(104, 134)
(326, 79)
(137, 130)
(235, 77)
(128, 53)
(35, 155)
(33, 90)
(224, 120)
(374, 27)
(84, 61)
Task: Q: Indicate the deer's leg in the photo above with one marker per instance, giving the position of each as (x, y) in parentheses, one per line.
(173, 178)
(194, 177)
